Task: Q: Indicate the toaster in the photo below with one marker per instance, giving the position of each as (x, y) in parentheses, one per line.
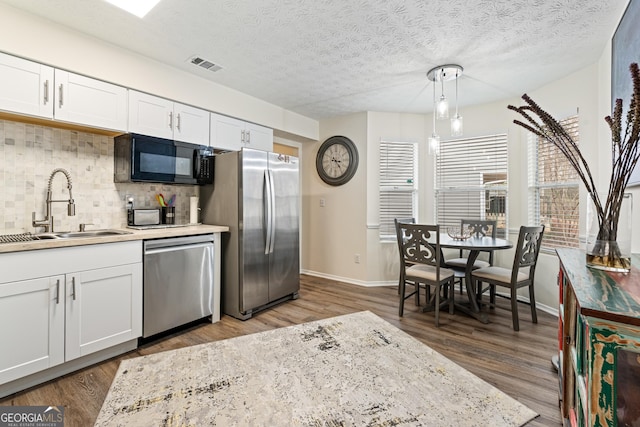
(143, 217)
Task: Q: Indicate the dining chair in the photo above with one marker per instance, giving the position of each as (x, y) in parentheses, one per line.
(406, 221)
(420, 262)
(476, 228)
(520, 275)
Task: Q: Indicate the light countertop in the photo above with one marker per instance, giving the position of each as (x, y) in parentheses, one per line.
(155, 233)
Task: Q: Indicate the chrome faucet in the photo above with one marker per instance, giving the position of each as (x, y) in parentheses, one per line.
(47, 222)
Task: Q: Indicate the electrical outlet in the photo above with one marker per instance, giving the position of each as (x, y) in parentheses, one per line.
(356, 258)
(322, 203)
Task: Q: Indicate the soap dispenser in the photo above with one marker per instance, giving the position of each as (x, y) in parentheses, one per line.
(129, 210)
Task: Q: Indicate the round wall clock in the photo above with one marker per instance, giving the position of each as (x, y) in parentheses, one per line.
(337, 160)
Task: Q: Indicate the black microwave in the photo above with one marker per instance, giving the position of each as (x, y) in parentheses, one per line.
(141, 158)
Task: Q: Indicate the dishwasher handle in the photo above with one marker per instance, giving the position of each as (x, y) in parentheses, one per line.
(177, 248)
(177, 241)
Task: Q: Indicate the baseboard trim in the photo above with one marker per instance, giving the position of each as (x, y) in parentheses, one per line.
(348, 279)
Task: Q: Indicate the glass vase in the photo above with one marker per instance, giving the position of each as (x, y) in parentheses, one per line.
(609, 241)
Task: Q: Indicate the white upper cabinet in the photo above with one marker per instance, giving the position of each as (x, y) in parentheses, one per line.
(90, 102)
(33, 89)
(26, 87)
(232, 134)
(258, 137)
(150, 115)
(191, 124)
(155, 116)
(227, 133)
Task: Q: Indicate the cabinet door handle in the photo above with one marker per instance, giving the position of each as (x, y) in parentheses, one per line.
(60, 92)
(248, 134)
(178, 121)
(46, 92)
(242, 136)
(58, 291)
(73, 288)
(170, 120)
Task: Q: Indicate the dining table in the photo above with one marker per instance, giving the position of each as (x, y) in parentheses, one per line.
(474, 245)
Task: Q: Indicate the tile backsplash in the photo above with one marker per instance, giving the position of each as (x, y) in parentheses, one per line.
(28, 155)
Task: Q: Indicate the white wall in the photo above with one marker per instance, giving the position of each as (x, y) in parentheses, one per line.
(34, 38)
(562, 98)
(333, 234)
(382, 257)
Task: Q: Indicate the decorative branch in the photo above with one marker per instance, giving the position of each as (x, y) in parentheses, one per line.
(624, 151)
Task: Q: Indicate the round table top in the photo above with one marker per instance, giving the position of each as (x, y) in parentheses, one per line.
(475, 243)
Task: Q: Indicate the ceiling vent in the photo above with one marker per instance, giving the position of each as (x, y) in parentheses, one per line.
(206, 64)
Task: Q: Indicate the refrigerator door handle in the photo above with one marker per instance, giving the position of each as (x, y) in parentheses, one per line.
(272, 191)
(268, 210)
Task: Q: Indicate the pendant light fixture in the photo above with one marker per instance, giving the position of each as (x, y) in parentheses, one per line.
(456, 120)
(442, 108)
(441, 74)
(434, 140)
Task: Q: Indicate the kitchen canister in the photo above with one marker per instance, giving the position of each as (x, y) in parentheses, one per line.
(168, 214)
(193, 209)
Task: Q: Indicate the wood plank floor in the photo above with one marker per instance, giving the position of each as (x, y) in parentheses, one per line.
(518, 363)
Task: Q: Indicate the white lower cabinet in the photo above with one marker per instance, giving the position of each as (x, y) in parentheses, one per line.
(103, 308)
(31, 326)
(51, 320)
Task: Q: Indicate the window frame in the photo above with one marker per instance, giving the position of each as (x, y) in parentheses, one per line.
(393, 187)
(473, 200)
(536, 187)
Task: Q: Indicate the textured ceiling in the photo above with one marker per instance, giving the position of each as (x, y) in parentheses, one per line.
(324, 58)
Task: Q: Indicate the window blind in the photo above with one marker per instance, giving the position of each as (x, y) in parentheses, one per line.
(554, 190)
(471, 181)
(398, 177)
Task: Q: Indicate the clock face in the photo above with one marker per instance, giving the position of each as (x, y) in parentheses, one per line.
(337, 160)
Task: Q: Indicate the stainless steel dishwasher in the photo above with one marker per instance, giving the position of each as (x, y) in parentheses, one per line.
(178, 282)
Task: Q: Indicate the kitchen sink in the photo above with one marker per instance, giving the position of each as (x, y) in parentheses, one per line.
(44, 236)
(28, 237)
(91, 233)
(81, 234)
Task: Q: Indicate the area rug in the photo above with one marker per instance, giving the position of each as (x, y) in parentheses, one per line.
(352, 370)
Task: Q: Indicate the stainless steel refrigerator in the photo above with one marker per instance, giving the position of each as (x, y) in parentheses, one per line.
(256, 194)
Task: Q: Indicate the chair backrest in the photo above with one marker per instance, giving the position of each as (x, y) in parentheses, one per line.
(400, 237)
(405, 220)
(480, 228)
(419, 244)
(527, 249)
